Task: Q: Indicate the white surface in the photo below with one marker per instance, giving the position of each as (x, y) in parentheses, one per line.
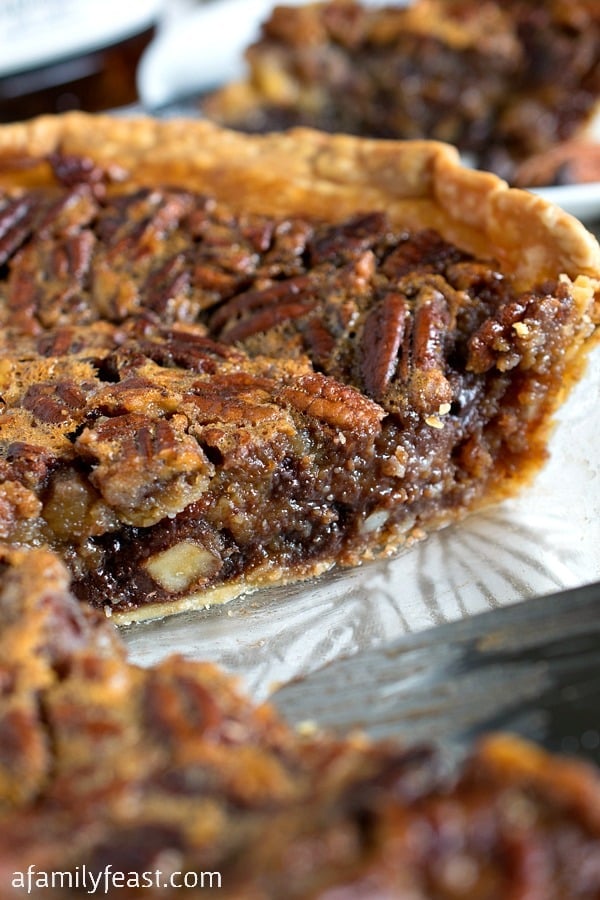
(546, 539)
(41, 32)
(581, 200)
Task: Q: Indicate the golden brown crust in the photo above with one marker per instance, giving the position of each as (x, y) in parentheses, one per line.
(419, 183)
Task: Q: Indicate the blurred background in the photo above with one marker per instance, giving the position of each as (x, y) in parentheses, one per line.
(57, 55)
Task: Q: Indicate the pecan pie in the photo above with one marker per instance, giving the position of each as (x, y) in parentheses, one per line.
(231, 360)
(135, 779)
(500, 79)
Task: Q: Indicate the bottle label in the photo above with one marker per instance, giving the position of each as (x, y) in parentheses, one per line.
(36, 33)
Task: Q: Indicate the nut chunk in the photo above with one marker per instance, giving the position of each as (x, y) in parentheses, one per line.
(145, 468)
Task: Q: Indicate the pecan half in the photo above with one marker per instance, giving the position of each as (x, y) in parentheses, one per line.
(335, 404)
(186, 349)
(136, 393)
(167, 286)
(54, 402)
(69, 214)
(151, 217)
(341, 244)
(319, 340)
(423, 251)
(428, 386)
(144, 468)
(382, 338)
(16, 221)
(234, 398)
(257, 310)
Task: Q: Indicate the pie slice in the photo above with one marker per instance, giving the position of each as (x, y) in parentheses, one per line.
(141, 781)
(501, 80)
(231, 360)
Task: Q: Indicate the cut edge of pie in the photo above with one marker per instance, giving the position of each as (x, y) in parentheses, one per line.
(331, 178)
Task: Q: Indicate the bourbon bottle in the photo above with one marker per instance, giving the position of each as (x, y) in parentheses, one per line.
(57, 55)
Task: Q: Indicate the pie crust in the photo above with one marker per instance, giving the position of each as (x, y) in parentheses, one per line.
(175, 463)
(419, 183)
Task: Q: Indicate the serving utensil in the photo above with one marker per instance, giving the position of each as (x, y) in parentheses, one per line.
(532, 669)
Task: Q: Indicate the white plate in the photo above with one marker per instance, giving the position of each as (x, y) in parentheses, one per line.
(204, 48)
(581, 200)
(546, 539)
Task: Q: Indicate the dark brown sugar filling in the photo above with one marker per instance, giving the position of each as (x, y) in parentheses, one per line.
(193, 398)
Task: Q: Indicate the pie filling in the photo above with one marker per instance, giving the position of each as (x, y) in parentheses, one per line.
(195, 401)
(500, 80)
